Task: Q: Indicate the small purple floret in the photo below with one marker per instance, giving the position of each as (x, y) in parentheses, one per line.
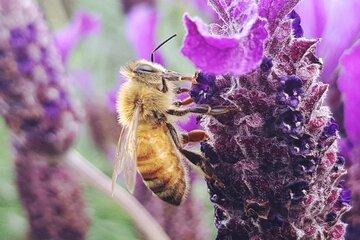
(298, 31)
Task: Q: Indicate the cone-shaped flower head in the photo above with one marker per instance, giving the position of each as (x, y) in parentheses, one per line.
(275, 152)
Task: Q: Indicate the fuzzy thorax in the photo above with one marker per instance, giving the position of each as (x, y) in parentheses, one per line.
(144, 87)
(150, 99)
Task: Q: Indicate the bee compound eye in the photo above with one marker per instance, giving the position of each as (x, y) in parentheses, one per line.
(145, 68)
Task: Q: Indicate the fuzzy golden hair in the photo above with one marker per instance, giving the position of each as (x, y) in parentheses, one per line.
(140, 100)
(143, 88)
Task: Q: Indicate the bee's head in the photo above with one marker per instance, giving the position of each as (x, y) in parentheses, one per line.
(144, 71)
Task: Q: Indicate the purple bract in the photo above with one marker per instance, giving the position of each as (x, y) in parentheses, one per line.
(234, 46)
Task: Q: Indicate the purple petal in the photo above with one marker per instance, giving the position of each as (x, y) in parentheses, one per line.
(141, 28)
(236, 13)
(313, 17)
(224, 54)
(81, 26)
(340, 33)
(349, 84)
(203, 7)
(190, 124)
(275, 10)
(323, 18)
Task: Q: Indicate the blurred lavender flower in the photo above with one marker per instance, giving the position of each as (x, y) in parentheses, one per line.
(276, 155)
(202, 7)
(141, 28)
(349, 84)
(103, 125)
(52, 197)
(181, 223)
(37, 108)
(129, 4)
(81, 26)
(321, 19)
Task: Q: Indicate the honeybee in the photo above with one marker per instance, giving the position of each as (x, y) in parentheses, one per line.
(149, 143)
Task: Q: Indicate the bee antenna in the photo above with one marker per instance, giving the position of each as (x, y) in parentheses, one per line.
(168, 39)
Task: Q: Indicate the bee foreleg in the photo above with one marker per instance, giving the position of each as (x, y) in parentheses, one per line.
(194, 158)
(180, 90)
(201, 109)
(174, 76)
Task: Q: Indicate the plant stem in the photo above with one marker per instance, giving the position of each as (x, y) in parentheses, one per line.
(94, 177)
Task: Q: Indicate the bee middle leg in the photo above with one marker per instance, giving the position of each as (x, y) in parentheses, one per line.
(194, 158)
(164, 86)
(173, 76)
(184, 102)
(180, 90)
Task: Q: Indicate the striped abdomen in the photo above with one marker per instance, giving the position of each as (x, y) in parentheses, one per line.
(160, 164)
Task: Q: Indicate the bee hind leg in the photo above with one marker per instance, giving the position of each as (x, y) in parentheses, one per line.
(195, 158)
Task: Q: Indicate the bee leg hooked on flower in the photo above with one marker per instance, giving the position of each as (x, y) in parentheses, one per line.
(201, 109)
(194, 158)
(184, 102)
(174, 76)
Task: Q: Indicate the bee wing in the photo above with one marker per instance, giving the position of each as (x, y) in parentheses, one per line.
(126, 157)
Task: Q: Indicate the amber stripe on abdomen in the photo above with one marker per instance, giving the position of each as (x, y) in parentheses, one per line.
(168, 181)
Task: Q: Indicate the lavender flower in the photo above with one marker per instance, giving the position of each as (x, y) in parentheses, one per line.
(276, 152)
(129, 4)
(37, 108)
(81, 26)
(141, 27)
(103, 126)
(51, 196)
